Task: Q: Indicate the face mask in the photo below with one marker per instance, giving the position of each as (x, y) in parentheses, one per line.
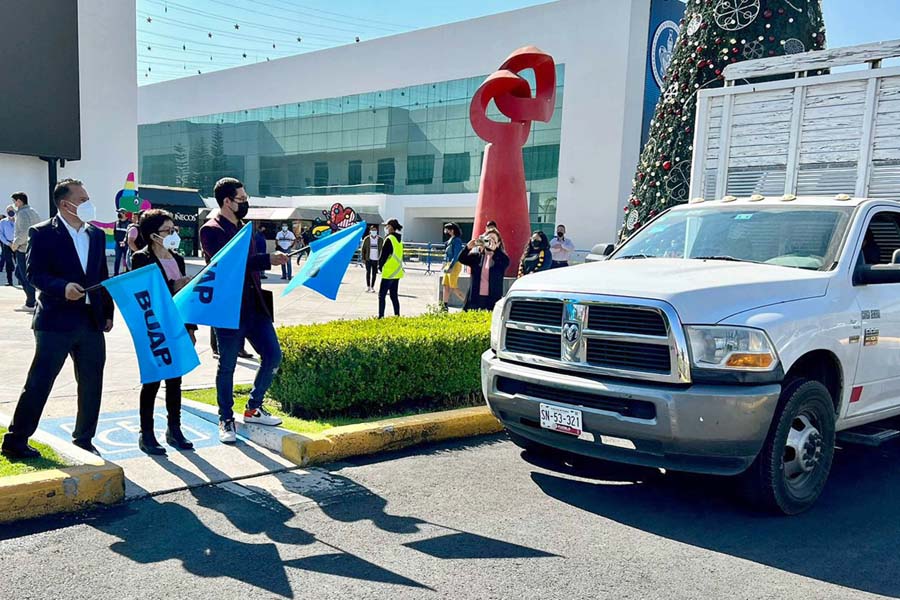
(535, 245)
(284, 227)
(373, 234)
(10, 213)
(242, 209)
(560, 233)
(171, 241)
(86, 212)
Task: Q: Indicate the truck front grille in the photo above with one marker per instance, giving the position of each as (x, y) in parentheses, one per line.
(619, 337)
(628, 355)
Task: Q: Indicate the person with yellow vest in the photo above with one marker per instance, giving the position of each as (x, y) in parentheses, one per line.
(390, 263)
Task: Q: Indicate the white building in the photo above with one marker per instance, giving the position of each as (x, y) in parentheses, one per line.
(382, 125)
(108, 112)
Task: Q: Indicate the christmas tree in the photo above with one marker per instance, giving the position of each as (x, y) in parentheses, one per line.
(713, 34)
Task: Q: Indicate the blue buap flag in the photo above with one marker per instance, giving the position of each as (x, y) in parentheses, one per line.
(163, 346)
(328, 261)
(213, 297)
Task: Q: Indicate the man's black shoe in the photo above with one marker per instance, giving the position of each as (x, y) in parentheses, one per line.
(244, 354)
(86, 446)
(19, 452)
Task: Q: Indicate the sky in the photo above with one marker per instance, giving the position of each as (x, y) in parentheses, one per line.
(176, 41)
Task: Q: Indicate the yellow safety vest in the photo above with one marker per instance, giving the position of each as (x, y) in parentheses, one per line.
(393, 267)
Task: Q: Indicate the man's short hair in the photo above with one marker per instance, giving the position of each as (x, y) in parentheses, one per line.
(226, 187)
(62, 189)
(21, 197)
(491, 224)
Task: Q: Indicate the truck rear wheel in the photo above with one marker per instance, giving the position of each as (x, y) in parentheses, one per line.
(793, 465)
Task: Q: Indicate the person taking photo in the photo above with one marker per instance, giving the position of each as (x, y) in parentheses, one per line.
(488, 261)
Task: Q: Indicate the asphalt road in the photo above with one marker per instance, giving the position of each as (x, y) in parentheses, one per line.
(476, 519)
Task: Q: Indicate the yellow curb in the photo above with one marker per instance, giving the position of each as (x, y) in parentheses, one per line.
(60, 490)
(390, 434)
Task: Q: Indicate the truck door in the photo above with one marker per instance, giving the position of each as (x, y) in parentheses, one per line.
(878, 370)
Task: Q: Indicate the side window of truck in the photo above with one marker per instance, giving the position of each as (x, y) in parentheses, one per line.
(881, 240)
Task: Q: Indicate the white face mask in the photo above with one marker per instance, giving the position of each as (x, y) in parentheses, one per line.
(284, 227)
(171, 241)
(373, 234)
(86, 212)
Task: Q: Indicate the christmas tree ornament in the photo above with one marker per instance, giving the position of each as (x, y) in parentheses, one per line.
(714, 34)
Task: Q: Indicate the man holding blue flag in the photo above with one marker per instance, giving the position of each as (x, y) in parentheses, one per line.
(255, 315)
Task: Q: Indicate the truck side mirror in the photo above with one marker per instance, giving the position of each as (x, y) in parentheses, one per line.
(895, 258)
(875, 274)
(600, 252)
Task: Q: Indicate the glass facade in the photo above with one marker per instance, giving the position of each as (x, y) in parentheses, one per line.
(412, 140)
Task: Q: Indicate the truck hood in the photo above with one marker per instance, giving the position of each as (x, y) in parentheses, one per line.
(702, 291)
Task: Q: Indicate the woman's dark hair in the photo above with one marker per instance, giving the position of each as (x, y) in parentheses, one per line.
(151, 221)
(500, 245)
(545, 241)
(453, 228)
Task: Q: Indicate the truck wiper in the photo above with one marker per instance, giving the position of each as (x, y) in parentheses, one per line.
(722, 257)
(630, 256)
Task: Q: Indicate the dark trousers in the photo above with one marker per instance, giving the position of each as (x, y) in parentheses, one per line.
(26, 285)
(7, 263)
(173, 404)
(87, 347)
(388, 286)
(120, 256)
(258, 329)
(371, 272)
(287, 270)
(556, 264)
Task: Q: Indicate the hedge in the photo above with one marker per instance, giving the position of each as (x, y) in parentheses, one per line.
(370, 366)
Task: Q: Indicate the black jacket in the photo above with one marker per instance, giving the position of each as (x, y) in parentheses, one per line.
(495, 278)
(52, 263)
(145, 257)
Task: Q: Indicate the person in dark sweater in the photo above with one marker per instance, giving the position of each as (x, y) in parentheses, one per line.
(259, 240)
(488, 262)
(537, 254)
(158, 228)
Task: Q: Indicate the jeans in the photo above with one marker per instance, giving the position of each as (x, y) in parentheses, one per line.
(7, 263)
(258, 329)
(87, 347)
(287, 270)
(26, 285)
(371, 273)
(388, 286)
(120, 255)
(557, 264)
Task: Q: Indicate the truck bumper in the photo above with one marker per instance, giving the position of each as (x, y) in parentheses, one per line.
(713, 429)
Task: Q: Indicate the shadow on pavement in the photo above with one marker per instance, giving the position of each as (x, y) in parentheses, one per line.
(849, 538)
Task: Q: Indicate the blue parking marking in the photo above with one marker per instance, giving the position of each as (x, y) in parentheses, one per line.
(117, 433)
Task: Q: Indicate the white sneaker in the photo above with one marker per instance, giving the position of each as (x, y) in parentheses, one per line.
(260, 416)
(226, 432)
(26, 308)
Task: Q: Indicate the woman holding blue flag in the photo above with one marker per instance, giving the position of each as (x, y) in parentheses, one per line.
(158, 229)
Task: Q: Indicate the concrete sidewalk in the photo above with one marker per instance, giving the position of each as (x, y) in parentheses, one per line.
(117, 434)
(121, 383)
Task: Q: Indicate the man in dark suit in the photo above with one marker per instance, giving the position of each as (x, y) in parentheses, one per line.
(255, 317)
(66, 255)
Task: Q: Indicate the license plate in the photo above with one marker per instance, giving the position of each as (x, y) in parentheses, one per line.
(564, 420)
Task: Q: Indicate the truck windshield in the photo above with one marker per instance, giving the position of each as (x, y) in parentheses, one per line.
(797, 236)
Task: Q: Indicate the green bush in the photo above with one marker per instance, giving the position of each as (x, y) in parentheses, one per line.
(371, 366)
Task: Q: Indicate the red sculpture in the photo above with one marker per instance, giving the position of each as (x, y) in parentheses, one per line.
(501, 193)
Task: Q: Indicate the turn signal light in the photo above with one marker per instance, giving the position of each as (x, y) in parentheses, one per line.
(750, 361)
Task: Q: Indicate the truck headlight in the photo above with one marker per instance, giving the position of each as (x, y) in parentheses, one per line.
(733, 348)
(497, 324)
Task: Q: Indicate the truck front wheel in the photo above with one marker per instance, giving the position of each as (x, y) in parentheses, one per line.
(793, 465)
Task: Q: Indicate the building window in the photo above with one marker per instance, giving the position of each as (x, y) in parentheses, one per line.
(541, 162)
(386, 173)
(456, 167)
(320, 177)
(420, 169)
(354, 172)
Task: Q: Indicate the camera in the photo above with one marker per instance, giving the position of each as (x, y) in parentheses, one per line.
(482, 240)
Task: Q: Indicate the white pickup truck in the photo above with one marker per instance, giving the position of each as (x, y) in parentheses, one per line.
(736, 336)
(725, 337)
